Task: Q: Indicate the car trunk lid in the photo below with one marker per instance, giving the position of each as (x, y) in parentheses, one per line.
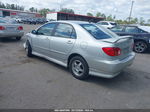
(125, 43)
(10, 27)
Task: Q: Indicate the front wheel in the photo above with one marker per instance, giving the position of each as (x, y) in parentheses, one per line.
(28, 49)
(140, 47)
(79, 68)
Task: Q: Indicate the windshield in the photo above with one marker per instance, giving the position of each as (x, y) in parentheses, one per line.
(98, 32)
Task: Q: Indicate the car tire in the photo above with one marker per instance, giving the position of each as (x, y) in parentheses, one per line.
(140, 47)
(79, 68)
(28, 49)
(18, 38)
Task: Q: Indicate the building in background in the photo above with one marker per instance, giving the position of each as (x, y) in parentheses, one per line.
(54, 16)
(17, 13)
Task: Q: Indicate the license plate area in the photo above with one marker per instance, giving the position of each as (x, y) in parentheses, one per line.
(11, 28)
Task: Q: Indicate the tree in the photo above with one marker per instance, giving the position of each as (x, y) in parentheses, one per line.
(67, 10)
(44, 11)
(142, 21)
(103, 15)
(110, 18)
(2, 5)
(11, 6)
(98, 14)
(32, 9)
(89, 14)
(148, 21)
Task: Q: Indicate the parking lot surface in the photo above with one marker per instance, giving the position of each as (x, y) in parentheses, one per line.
(37, 83)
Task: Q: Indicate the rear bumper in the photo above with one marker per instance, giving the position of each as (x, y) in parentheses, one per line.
(110, 69)
(11, 34)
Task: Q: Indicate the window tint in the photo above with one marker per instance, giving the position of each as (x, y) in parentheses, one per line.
(117, 29)
(113, 24)
(131, 30)
(65, 30)
(46, 29)
(104, 23)
(95, 31)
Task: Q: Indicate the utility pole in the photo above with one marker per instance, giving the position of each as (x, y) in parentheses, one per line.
(131, 11)
(61, 5)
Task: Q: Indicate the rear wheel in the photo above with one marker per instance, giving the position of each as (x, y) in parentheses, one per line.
(18, 38)
(79, 68)
(28, 49)
(140, 47)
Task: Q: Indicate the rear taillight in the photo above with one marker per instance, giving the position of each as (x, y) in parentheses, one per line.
(2, 28)
(20, 28)
(112, 51)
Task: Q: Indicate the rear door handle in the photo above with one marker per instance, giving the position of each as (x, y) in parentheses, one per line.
(69, 42)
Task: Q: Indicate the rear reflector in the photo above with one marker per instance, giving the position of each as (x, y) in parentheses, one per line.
(112, 51)
(20, 28)
(2, 28)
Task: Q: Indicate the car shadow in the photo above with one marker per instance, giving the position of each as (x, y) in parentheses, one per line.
(51, 63)
(129, 80)
(10, 40)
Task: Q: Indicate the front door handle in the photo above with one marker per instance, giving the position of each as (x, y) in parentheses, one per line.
(69, 42)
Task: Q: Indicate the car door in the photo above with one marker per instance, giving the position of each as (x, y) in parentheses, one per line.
(41, 40)
(63, 41)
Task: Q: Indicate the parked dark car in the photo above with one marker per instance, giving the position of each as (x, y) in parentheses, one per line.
(140, 34)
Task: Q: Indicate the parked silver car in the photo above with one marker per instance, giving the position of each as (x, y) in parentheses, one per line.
(10, 29)
(85, 48)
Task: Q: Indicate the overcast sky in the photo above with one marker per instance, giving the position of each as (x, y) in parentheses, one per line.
(120, 8)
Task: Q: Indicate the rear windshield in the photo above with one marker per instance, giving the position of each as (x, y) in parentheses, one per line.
(98, 32)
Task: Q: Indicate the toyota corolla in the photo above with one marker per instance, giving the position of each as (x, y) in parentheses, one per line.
(85, 48)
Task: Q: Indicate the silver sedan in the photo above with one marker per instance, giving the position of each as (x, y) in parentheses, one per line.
(85, 48)
(9, 29)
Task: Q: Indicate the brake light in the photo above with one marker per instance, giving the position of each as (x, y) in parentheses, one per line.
(20, 28)
(2, 28)
(112, 51)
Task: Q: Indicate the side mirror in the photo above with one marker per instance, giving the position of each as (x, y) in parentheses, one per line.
(34, 32)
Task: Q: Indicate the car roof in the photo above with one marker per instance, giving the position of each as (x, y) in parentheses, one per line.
(72, 22)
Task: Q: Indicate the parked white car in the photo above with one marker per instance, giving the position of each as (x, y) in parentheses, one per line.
(107, 24)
